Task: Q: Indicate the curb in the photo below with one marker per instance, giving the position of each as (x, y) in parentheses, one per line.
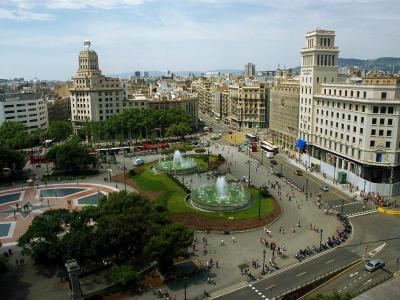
(388, 211)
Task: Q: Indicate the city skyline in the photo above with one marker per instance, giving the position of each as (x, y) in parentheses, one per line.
(43, 37)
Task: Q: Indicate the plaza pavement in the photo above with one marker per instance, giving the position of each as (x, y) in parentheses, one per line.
(24, 282)
(248, 246)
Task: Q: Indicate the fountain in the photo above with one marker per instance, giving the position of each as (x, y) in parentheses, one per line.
(178, 165)
(220, 197)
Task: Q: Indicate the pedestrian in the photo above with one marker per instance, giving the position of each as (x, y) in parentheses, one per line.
(233, 240)
(216, 264)
(222, 243)
(265, 230)
(293, 230)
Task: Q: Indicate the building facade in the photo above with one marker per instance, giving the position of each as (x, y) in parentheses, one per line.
(350, 129)
(249, 70)
(284, 113)
(30, 109)
(248, 106)
(94, 97)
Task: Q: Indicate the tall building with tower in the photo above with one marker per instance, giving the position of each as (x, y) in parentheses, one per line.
(249, 70)
(348, 130)
(319, 64)
(94, 97)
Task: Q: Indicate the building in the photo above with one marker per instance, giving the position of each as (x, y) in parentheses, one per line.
(249, 70)
(29, 109)
(95, 97)
(248, 106)
(146, 74)
(137, 74)
(284, 113)
(351, 130)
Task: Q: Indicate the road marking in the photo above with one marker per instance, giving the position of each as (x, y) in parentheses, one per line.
(301, 274)
(376, 250)
(329, 261)
(368, 281)
(353, 274)
(270, 287)
(354, 250)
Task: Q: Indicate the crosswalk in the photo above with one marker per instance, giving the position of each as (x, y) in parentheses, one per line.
(353, 209)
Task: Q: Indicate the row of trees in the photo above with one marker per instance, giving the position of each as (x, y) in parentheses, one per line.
(13, 135)
(136, 123)
(129, 230)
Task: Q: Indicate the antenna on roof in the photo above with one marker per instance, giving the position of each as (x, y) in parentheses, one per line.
(87, 45)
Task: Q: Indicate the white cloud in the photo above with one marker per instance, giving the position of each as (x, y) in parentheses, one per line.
(75, 4)
(23, 15)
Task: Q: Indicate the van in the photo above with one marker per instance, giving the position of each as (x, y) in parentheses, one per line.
(138, 162)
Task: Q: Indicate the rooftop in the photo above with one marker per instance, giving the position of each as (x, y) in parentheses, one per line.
(19, 96)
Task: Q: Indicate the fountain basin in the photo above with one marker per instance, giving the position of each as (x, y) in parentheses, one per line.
(208, 198)
(177, 165)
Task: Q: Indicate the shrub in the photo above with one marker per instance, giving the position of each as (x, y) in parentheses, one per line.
(199, 150)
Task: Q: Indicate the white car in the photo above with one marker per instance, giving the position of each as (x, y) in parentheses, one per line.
(324, 187)
(138, 162)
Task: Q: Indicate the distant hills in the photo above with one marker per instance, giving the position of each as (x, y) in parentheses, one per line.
(386, 64)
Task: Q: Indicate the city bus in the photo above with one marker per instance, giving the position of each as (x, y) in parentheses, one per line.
(269, 148)
(251, 138)
(113, 150)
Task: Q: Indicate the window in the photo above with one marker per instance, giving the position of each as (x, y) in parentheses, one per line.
(380, 132)
(387, 144)
(363, 108)
(362, 120)
(375, 109)
(381, 121)
(365, 94)
(372, 143)
(373, 131)
(390, 122)
(383, 109)
(389, 133)
(379, 157)
(383, 95)
(374, 121)
(361, 130)
(390, 110)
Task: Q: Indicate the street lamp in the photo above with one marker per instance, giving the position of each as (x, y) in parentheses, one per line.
(320, 240)
(263, 270)
(306, 188)
(125, 177)
(184, 284)
(249, 163)
(259, 204)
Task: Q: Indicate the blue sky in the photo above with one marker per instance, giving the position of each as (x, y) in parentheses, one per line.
(42, 38)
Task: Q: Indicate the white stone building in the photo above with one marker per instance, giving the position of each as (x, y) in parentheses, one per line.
(95, 97)
(351, 129)
(29, 109)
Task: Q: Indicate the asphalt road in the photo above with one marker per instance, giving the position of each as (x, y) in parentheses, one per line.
(277, 284)
(384, 229)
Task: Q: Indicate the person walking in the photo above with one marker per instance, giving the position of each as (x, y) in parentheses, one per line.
(222, 243)
(233, 239)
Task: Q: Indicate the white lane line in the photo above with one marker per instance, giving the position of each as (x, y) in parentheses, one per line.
(353, 274)
(329, 261)
(368, 281)
(301, 274)
(354, 250)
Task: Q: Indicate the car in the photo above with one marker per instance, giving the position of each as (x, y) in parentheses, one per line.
(279, 175)
(324, 187)
(374, 264)
(246, 178)
(298, 172)
(138, 162)
(273, 162)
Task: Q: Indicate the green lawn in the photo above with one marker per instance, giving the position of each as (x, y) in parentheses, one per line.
(174, 196)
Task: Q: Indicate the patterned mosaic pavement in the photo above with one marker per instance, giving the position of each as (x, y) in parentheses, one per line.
(19, 206)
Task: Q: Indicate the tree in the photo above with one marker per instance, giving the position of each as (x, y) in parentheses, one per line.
(59, 130)
(14, 136)
(124, 275)
(171, 242)
(71, 156)
(11, 159)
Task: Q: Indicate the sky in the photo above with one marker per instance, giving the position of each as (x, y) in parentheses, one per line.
(42, 38)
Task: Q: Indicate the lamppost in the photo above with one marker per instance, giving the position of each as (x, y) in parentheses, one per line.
(306, 188)
(249, 163)
(263, 270)
(184, 285)
(281, 170)
(320, 240)
(259, 204)
(124, 177)
(341, 213)
(109, 174)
